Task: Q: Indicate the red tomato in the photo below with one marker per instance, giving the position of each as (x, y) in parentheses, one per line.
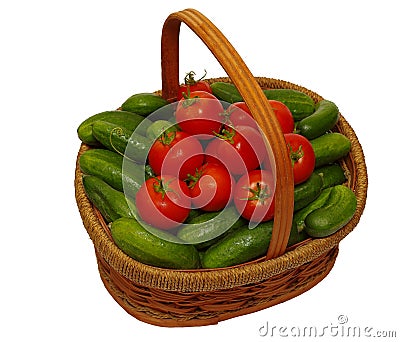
(254, 196)
(241, 149)
(238, 114)
(163, 202)
(200, 114)
(187, 89)
(192, 85)
(176, 153)
(211, 187)
(210, 152)
(302, 155)
(284, 116)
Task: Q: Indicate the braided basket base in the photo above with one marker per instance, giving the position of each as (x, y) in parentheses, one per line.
(166, 297)
(172, 308)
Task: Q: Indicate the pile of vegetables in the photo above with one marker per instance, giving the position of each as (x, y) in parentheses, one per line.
(191, 184)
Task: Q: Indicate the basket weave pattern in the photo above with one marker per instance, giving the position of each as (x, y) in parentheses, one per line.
(199, 297)
(187, 308)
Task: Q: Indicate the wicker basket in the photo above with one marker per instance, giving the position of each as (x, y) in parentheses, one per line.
(166, 297)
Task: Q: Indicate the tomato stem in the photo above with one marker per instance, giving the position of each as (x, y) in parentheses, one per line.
(295, 156)
(226, 117)
(184, 94)
(189, 78)
(260, 193)
(166, 138)
(189, 100)
(193, 179)
(160, 186)
(226, 135)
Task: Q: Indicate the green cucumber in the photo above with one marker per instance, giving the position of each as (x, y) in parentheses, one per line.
(306, 192)
(324, 118)
(194, 213)
(300, 216)
(111, 203)
(141, 129)
(205, 229)
(296, 236)
(337, 211)
(226, 92)
(118, 117)
(143, 103)
(300, 104)
(107, 165)
(117, 138)
(158, 250)
(158, 127)
(331, 175)
(242, 245)
(329, 148)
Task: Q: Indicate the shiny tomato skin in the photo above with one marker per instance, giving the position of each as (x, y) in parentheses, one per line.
(241, 149)
(302, 156)
(164, 208)
(284, 116)
(254, 196)
(212, 187)
(200, 114)
(238, 114)
(211, 151)
(176, 153)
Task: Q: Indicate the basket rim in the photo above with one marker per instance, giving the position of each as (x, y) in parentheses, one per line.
(201, 280)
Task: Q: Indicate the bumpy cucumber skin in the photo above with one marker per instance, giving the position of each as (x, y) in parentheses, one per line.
(107, 166)
(226, 92)
(104, 164)
(117, 138)
(334, 214)
(143, 103)
(111, 203)
(329, 148)
(300, 104)
(118, 117)
(240, 246)
(299, 216)
(324, 118)
(331, 175)
(111, 136)
(138, 243)
(306, 192)
(209, 227)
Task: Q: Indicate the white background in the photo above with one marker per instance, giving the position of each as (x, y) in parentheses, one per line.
(63, 61)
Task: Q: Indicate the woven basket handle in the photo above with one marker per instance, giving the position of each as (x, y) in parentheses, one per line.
(252, 94)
